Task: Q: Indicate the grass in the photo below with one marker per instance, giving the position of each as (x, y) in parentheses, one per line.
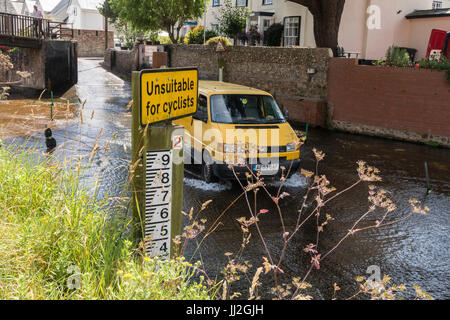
(57, 241)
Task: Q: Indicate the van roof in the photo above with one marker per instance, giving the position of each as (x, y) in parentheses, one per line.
(209, 87)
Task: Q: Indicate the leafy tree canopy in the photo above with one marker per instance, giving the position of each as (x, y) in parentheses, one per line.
(151, 15)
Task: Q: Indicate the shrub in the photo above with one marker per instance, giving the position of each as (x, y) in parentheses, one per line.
(398, 57)
(441, 64)
(272, 36)
(197, 35)
(164, 40)
(215, 40)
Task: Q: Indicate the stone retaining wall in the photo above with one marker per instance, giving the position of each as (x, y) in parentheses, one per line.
(297, 77)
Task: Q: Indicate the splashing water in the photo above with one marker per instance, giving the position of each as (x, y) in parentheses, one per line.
(204, 186)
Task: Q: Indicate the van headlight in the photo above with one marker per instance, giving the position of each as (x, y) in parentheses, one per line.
(229, 148)
(263, 149)
(291, 147)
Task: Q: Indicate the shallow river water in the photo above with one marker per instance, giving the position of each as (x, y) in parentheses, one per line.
(414, 251)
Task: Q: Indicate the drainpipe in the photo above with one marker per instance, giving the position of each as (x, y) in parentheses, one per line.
(106, 26)
(204, 24)
(366, 31)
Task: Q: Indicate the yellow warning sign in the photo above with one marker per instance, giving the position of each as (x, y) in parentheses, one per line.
(168, 94)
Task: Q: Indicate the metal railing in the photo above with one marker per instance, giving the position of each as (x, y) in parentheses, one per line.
(60, 30)
(20, 26)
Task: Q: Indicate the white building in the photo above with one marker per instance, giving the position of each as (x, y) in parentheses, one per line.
(18, 5)
(84, 14)
(12, 7)
(59, 12)
(27, 8)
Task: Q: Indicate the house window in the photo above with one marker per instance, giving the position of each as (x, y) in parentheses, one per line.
(215, 27)
(266, 2)
(437, 5)
(291, 31)
(241, 3)
(216, 3)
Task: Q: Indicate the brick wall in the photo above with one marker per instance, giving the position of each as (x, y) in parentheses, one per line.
(91, 43)
(281, 71)
(406, 103)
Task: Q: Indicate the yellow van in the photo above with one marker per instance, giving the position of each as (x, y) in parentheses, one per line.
(239, 131)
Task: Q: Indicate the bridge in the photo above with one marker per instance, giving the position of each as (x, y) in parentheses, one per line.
(29, 32)
(46, 51)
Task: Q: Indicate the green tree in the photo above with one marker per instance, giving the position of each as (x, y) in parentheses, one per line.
(327, 19)
(152, 15)
(232, 20)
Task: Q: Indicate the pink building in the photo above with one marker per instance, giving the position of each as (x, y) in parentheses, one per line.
(368, 27)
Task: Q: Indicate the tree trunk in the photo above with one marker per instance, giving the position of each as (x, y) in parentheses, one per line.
(327, 19)
(171, 31)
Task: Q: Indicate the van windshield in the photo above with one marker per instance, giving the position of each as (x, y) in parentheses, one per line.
(245, 109)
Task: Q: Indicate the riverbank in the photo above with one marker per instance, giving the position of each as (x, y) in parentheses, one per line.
(24, 117)
(58, 241)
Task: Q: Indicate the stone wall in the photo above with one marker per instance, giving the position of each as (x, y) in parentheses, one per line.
(402, 103)
(121, 62)
(297, 77)
(91, 43)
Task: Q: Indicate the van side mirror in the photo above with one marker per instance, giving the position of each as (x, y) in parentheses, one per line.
(204, 117)
(286, 114)
(201, 115)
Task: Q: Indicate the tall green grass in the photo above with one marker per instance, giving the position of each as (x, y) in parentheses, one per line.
(57, 241)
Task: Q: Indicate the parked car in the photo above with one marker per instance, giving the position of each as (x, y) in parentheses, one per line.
(239, 131)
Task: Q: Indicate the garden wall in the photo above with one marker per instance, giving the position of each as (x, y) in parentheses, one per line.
(281, 71)
(404, 103)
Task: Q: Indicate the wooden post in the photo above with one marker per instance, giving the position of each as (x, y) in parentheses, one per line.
(137, 165)
(154, 138)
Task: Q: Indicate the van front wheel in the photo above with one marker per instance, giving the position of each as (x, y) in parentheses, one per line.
(207, 172)
(207, 167)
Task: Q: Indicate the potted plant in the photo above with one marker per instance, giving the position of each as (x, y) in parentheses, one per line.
(254, 35)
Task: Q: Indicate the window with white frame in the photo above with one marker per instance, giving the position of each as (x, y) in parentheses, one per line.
(241, 3)
(291, 31)
(266, 2)
(216, 3)
(437, 5)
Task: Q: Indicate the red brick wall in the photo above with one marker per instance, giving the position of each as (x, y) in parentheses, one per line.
(91, 43)
(403, 99)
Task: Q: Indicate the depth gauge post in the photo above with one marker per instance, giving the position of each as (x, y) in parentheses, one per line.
(159, 96)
